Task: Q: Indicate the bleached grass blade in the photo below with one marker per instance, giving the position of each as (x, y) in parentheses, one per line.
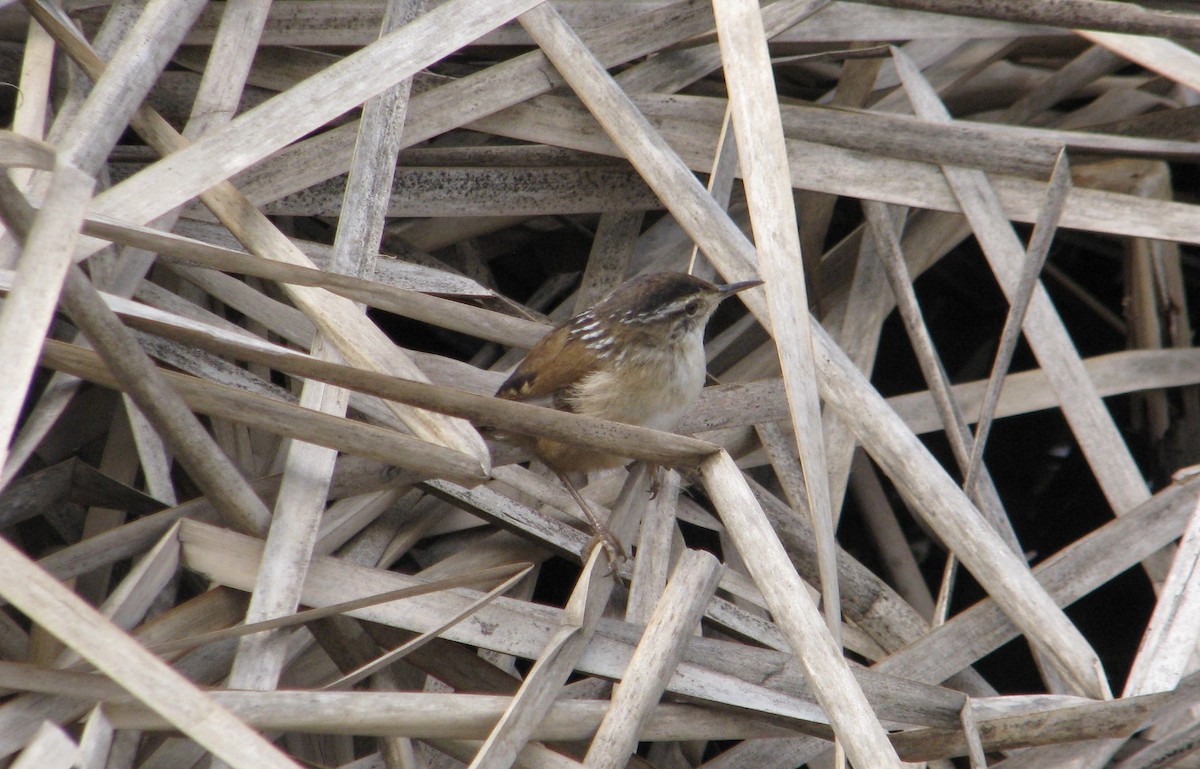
(1091, 423)
(353, 677)
(136, 64)
(867, 304)
(898, 560)
(277, 417)
(991, 147)
(1051, 724)
(139, 672)
(658, 164)
(440, 715)
(155, 461)
(305, 107)
(1166, 57)
(50, 748)
(608, 261)
(797, 615)
(456, 316)
(229, 62)
(655, 542)
(96, 741)
(1089, 14)
(780, 448)
(950, 513)
(308, 467)
(852, 173)
(1035, 256)
(29, 114)
(18, 151)
(26, 315)
(515, 627)
(349, 517)
(732, 407)
(675, 617)
(483, 93)
(452, 190)
(138, 376)
(1067, 575)
(762, 154)
(1170, 749)
(126, 606)
(853, 90)
(1169, 642)
(720, 178)
(934, 373)
(359, 340)
(486, 576)
(941, 608)
(544, 681)
(971, 732)
(1029, 391)
(550, 533)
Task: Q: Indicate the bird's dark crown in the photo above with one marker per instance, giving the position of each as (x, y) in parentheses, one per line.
(652, 297)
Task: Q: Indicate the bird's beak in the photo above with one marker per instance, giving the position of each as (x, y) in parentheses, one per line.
(729, 289)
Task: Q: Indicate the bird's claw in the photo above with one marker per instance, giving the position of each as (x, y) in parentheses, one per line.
(612, 549)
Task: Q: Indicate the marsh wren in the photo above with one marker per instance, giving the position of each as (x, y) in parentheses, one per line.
(636, 356)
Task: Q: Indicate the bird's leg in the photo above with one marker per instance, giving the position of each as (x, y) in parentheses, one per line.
(601, 534)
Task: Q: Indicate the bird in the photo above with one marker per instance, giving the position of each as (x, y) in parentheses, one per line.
(636, 356)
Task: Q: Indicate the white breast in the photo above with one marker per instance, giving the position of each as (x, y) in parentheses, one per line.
(666, 389)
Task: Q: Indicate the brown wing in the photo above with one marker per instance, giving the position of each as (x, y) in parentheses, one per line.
(549, 368)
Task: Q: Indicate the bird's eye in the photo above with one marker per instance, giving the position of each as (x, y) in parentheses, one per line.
(692, 307)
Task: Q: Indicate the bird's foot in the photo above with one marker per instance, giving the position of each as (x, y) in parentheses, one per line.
(604, 538)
